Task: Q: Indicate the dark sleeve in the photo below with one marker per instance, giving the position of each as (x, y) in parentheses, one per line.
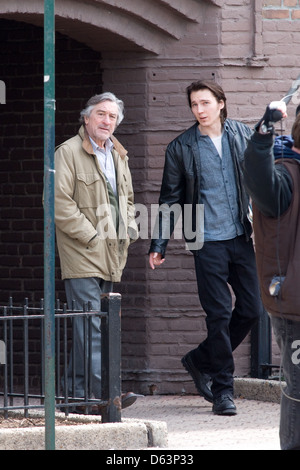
(170, 200)
(269, 185)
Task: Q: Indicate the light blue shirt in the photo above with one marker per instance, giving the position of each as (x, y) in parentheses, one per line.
(218, 191)
(106, 162)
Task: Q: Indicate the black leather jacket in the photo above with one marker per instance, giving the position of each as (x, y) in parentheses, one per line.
(181, 178)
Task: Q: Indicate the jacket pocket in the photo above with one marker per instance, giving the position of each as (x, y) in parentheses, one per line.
(86, 189)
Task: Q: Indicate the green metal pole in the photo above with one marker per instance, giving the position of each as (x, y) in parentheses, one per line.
(49, 230)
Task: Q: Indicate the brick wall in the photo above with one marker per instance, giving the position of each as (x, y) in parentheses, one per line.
(281, 29)
(265, 71)
(167, 319)
(281, 10)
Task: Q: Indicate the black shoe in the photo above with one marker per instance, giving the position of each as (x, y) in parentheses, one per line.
(128, 399)
(202, 381)
(224, 405)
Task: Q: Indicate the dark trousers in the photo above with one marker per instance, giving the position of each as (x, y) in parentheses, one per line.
(81, 291)
(218, 265)
(287, 334)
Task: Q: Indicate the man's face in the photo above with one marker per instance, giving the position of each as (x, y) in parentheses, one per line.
(206, 108)
(101, 123)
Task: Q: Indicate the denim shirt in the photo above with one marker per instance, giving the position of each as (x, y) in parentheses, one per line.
(218, 191)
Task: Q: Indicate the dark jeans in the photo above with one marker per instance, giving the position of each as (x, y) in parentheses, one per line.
(218, 264)
(287, 334)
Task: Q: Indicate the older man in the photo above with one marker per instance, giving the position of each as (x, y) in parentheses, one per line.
(94, 216)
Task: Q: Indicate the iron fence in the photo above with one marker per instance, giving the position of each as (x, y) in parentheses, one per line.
(22, 358)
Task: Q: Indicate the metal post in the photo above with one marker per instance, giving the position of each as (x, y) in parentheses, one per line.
(49, 232)
(111, 357)
(261, 348)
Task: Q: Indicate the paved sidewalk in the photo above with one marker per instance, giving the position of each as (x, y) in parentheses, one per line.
(169, 422)
(192, 425)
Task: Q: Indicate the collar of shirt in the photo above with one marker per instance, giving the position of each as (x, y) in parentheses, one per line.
(106, 161)
(107, 148)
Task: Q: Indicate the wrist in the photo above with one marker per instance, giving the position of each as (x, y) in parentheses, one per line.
(263, 129)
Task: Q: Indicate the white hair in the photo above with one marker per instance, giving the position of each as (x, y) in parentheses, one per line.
(96, 99)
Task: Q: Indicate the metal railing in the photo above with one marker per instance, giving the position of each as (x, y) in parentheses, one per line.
(22, 351)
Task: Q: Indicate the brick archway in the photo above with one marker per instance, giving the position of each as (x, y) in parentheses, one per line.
(115, 24)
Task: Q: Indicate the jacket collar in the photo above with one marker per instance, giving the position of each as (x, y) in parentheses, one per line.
(189, 134)
(188, 137)
(87, 146)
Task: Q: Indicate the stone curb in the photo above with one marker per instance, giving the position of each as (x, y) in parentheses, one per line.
(258, 389)
(87, 433)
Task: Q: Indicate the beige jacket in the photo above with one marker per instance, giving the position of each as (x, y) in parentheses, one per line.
(87, 241)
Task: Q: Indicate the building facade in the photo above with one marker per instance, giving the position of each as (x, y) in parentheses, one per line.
(147, 52)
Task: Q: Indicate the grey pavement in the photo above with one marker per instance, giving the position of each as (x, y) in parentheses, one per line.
(191, 425)
(168, 422)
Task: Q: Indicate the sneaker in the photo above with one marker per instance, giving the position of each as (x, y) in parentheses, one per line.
(202, 381)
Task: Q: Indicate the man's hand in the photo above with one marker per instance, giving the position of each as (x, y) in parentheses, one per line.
(278, 106)
(274, 113)
(155, 260)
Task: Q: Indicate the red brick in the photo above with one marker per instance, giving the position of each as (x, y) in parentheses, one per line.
(276, 14)
(290, 3)
(272, 3)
